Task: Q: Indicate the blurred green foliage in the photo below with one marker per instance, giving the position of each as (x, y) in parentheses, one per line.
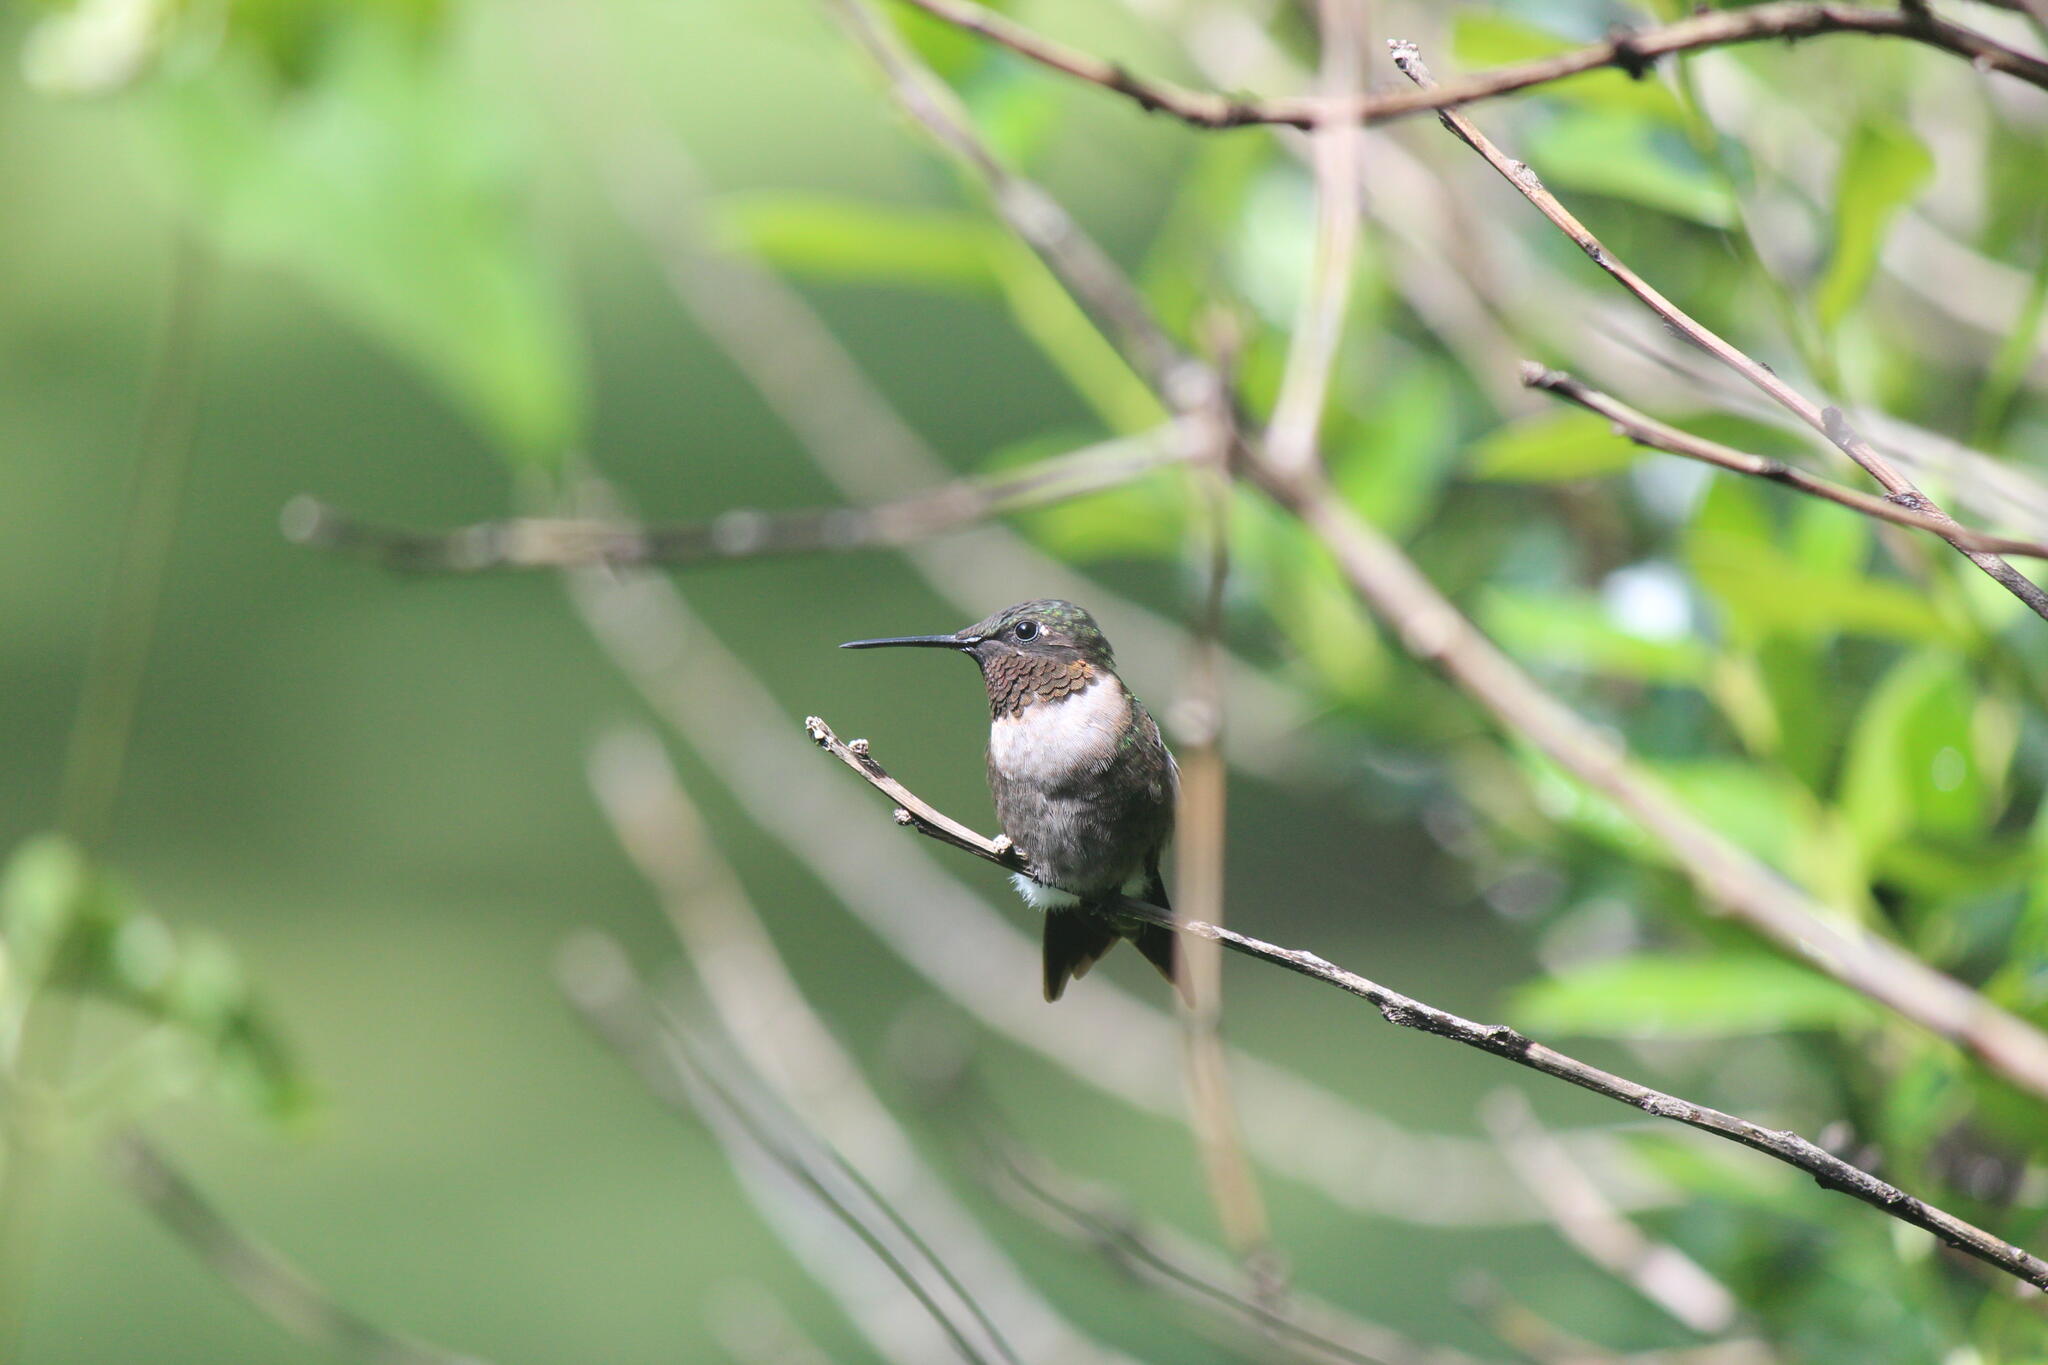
(373, 790)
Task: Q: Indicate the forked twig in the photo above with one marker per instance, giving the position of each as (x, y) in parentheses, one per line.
(743, 533)
(1829, 421)
(1828, 1171)
(1648, 431)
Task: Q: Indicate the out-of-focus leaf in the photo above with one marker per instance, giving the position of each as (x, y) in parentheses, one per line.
(1632, 158)
(1563, 444)
(1882, 168)
(1017, 110)
(1655, 996)
(1577, 632)
(96, 46)
(1925, 1098)
(1484, 38)
(1143, 519)
(42, 893)
(1756, 806)
(386, 181)
(1714, 1170)
(1307, 598)
(1762, 590)
(1912, 761)
(1392, 466)
(835, 238)
(1068, 339)
(67, 925)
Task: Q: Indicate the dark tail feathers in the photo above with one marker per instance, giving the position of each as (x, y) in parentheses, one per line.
(1076, 939)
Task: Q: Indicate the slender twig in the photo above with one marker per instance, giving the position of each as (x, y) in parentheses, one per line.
(774, 1027)
(1828, 421)
(1828, 1171)
(1633, 51)
(1291, 437)
(1659, 1271)
(1302, 1327)
(1095, 280)
(600, 983)
(1196, 718)
(97, 750)
(560, 542)
(274, 1286)
(1648, 431)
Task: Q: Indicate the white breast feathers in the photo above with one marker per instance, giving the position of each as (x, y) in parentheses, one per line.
(1053, 738)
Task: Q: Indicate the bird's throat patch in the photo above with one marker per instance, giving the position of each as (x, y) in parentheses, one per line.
(1017, 680)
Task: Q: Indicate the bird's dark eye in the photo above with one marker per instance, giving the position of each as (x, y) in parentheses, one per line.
(1027, 630)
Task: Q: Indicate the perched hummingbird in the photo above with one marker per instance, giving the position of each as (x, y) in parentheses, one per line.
(1084, 787)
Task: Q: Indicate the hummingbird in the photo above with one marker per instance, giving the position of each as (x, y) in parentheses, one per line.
(1084, 787)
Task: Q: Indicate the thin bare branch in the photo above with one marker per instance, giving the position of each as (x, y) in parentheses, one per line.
(1648, 431)
(1334, 146)
(1828, 421)
(681, 1071)
(1196, 718)
(559, 542)
(1037, 219)
(1301, 1327)
(1633, 51)
(1499, 1040)
(274, 1286)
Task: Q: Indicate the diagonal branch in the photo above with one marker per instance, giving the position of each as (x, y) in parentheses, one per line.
(807, 1178)
(1826, 420)
(276, 1287)
(1631, 51)
(744, 533)
(1648, 431)
(1828, 1171)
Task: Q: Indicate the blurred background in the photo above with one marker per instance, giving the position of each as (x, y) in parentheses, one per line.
(436, 262)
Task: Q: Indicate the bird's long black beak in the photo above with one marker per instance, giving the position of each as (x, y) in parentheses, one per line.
(916, 641)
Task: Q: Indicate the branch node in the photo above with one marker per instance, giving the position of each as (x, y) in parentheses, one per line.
(1627, 55)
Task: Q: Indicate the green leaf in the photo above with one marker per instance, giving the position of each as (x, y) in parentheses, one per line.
(1632, 158)
(1764, 591)
(1392, 466)
(1882, 168)
(1481, 38)
(42, 893)
(1913, 762)
(387, 181)
(829, 237)
(68, 925)
(1721, 996)
(1070, 341)
(1143, 519)
(1308, 599)
(1576, 632)
(1565, 444)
